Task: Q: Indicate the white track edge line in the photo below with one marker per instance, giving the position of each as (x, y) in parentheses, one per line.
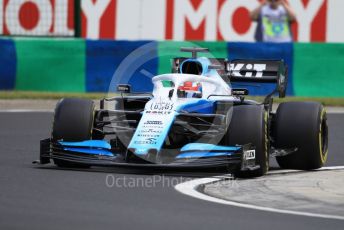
(190, 188)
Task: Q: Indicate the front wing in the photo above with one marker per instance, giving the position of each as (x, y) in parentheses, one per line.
(236, 159)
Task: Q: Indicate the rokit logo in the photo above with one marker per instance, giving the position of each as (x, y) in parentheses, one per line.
(250, 154)
(258, 69)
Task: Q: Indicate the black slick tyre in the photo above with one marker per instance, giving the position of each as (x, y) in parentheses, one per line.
(302, 125)
(73, 121)
(249, 125)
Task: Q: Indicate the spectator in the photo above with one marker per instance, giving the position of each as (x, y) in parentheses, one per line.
(274, 18)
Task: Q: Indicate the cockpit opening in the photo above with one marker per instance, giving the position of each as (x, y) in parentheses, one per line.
(192, 67)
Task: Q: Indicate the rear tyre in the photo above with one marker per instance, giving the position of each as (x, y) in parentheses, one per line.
(302, 125)
(73, 121)
(249, 125)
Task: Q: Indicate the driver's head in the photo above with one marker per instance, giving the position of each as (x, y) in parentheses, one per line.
(190, 86)
(190, 90)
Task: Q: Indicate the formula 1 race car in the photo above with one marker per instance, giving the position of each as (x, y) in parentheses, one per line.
(193, 119)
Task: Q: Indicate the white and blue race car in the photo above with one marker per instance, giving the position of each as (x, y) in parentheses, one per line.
(193, 119)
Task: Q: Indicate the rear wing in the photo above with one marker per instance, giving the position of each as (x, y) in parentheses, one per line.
(259, 71)
(256, 71)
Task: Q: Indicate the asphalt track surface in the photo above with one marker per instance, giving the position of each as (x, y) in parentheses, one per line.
(34, 197)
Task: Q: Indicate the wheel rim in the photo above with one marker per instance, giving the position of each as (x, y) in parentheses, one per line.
(324, 136)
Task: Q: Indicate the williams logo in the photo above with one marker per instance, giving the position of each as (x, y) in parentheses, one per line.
(151, 139)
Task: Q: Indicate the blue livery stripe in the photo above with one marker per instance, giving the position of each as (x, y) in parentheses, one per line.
(102, 152)
(208, 147)
(198, 106)
(203, 154)
(90, 143)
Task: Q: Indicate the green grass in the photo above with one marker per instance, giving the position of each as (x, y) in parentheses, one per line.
(95, 96)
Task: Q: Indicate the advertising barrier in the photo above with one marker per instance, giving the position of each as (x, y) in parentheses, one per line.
(78, 65)
(8, 64)
(50, 65)
(177, 20)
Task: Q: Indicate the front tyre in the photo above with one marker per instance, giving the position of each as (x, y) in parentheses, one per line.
(73, 121)
(302, 125)
(249, 125)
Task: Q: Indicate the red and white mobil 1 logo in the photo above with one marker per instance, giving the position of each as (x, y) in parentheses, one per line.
(209, 20)
(36, 17)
